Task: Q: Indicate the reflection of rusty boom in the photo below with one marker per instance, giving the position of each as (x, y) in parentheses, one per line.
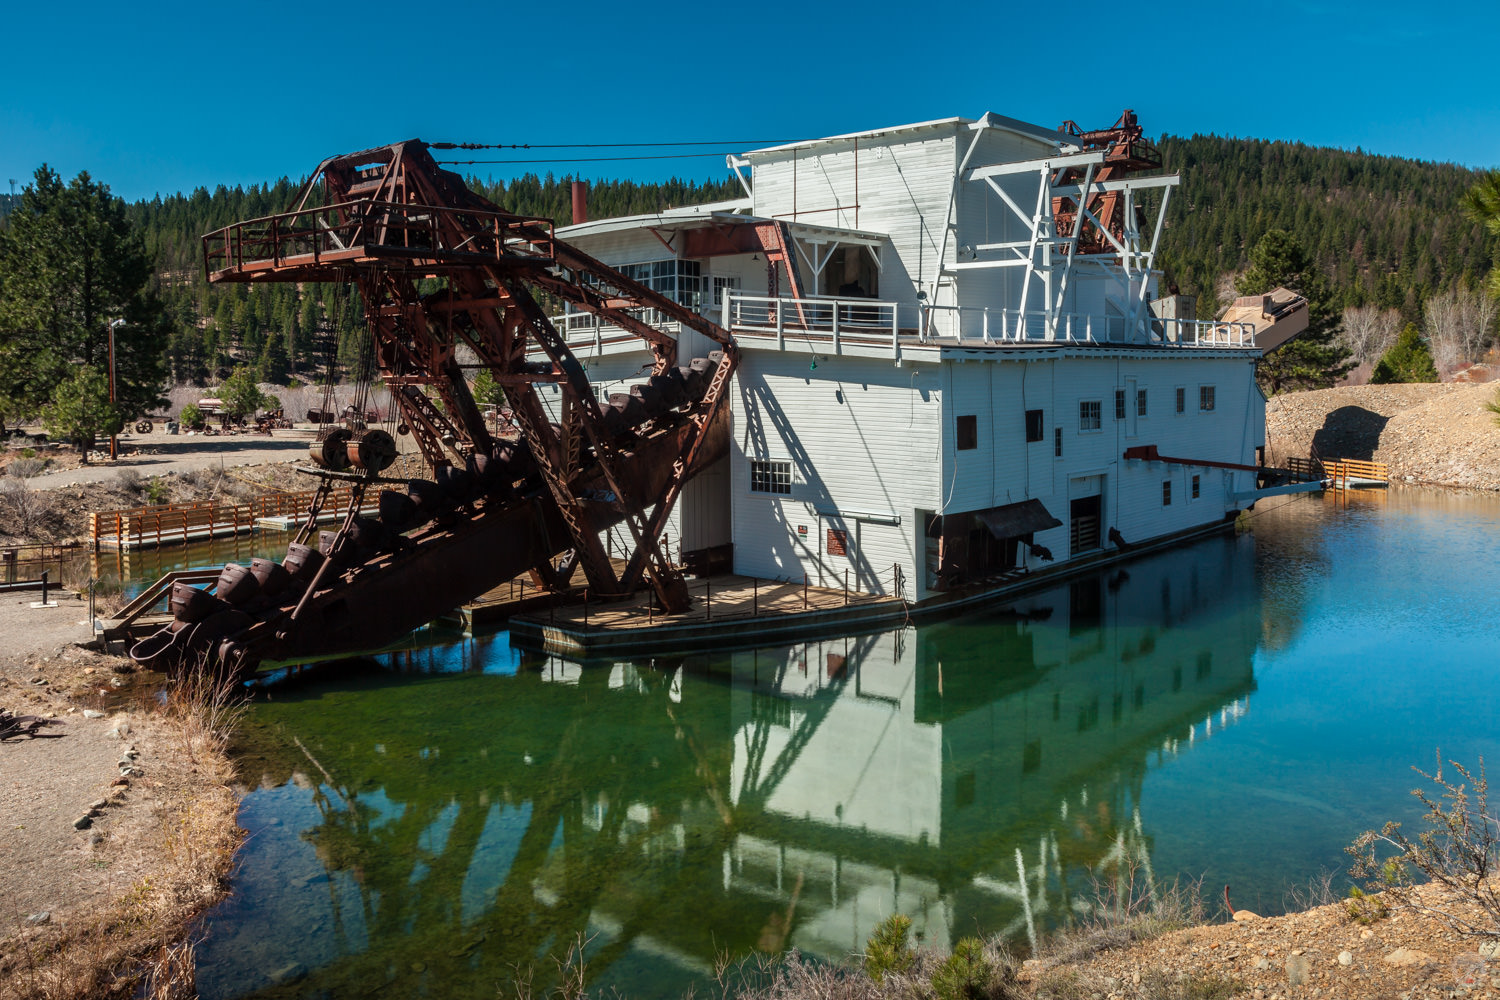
(445, 274)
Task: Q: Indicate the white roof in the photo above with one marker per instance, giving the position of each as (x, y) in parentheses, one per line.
(988, 120)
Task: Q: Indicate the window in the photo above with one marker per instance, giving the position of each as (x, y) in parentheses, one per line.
(1205, 398)
(1089, 414)
(1181, 400)
(1166, 493)
(1057, 442)
(1035, 429)
(1195, 487)
(1140, 402)
(723, 285)
(771, 477)
(967, 432)
(679, 280)
(1119, 404)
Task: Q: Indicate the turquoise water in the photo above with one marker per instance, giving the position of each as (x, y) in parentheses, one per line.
(1237, 711)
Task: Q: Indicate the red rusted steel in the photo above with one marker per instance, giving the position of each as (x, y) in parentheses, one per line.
(1125, 152)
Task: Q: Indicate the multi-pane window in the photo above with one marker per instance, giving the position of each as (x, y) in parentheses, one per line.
(1057, 442)
(722, 286)
(1181, 400)
(679, 280)
(771, 477)
(1140, 402)
(1166, 493)
(1034, 425)
(966, 432)
(1195, 487)
(1089, 414)
(1119, 404)
(1205, 398)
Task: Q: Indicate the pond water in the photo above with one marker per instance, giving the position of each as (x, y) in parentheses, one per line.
(1235, 711)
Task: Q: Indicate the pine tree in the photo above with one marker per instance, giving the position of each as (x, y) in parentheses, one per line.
(1407, 360)
(1315, 359)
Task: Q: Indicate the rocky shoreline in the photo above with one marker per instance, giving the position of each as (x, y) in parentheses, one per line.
(1432, 433)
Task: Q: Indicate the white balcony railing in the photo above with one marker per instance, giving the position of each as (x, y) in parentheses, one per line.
(872, 323)
(865, 321)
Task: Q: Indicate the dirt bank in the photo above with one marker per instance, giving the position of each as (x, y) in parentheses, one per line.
(1321, 952)
(119, 821)
(1438, 433)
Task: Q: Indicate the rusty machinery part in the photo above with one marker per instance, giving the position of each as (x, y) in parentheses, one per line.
(390, 221)
(1126, 151)
(332, 451)
(373, 451)
(144, 427)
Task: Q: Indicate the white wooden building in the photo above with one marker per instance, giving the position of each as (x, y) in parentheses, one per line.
(938, 385)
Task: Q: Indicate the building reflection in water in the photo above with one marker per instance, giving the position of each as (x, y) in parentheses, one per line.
(468, 811)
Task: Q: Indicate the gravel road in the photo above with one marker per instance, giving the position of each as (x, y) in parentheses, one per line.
(159, 453)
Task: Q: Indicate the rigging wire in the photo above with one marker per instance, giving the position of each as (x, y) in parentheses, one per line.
(596, 145)
(585, 159)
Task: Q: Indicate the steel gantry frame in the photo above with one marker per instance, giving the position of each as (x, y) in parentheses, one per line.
(1086, 216)
(440, 268)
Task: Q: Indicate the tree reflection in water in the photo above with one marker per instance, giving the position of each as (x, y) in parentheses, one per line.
(461, 813)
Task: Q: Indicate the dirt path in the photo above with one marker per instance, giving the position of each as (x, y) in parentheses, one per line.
(159, 453)
(116, 826)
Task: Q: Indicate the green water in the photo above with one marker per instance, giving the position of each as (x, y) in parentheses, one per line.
(1237, 710)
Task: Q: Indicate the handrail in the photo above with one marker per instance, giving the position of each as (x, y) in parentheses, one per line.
(147, 599)
(137, 524)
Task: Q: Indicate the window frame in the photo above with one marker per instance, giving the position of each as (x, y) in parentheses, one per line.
(1057, 442)
(1140, 401)
(1036, 421)
(766, 477)
(1097, 419)
(1120, 410)
(1207, 398)
(1166, 492)
(966, 428)
(1196, 490)
(1181, 400)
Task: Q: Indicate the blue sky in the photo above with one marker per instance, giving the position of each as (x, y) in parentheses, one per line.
(168, 98)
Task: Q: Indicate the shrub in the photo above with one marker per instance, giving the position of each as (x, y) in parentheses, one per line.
(157, 490)
(190, 416)
(888, 949)
(25, 468)
(971, 973)
(1459, 852)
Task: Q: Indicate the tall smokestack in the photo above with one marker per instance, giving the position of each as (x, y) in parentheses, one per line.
(580, 202)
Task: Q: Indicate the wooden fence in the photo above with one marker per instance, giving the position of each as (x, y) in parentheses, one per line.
(1346, 470)
(168, 524)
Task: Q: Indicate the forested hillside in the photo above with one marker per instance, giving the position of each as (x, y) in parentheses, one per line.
(1383, 231)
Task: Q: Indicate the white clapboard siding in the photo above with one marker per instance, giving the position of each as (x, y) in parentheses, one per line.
(863, 439)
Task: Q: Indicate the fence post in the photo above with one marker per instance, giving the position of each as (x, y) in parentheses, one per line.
(754, 597)
(846, 586)
(804, 591)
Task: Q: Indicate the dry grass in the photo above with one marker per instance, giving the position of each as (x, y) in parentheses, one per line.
(135, 944)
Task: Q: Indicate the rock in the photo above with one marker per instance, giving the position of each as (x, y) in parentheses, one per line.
(1243, 915)
(1297, 968)
(1366, 934)
(132, 772)
(1490, 950)
(288, 973)
(1262, 964)
(98, 804)
(120, 782)
(83, 822)
(122, 727)
(37, 919)
(1346, 958)
(90, 713)
(1407, 957)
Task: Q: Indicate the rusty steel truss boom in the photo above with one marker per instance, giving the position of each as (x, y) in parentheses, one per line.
(440, 269)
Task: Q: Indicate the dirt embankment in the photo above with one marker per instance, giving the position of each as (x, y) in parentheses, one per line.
(1438, 433)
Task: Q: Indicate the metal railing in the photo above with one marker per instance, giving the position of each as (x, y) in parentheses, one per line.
(23, 565)
(987, 325)
(333, 233)
(831, 319)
